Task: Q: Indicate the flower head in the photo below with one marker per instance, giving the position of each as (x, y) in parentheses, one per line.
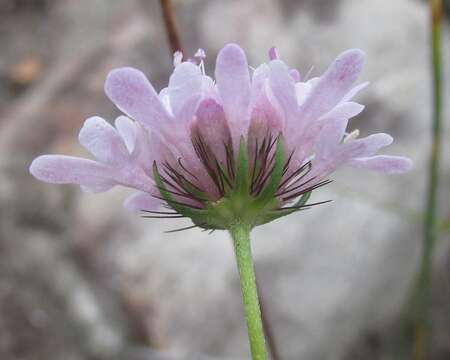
(247, 147)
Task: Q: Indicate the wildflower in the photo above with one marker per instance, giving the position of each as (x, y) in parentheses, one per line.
(245, 147)
(228, 154)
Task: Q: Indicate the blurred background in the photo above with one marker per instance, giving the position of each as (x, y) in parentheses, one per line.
(82, 279)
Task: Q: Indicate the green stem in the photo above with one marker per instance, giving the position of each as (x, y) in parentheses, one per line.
(242, 248)
(422, 331)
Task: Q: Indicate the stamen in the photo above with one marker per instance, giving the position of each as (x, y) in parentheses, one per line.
(201, 55)
(308, 74)
(350, 136)
(177, 58)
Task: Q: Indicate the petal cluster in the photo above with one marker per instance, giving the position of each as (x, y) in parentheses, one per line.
(192, 132)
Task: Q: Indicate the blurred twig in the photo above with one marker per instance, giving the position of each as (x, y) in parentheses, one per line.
(170, 24)
(422, 326)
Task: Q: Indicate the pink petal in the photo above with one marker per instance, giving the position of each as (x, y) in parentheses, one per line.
(383, 163)
(210, 123)
(233, 82)
(103, 141)
(335, 83)
(133, 94)
(61, 169)
(273, 53)
(295, 74)
(140, 201)
(266, 120)
(127, 130)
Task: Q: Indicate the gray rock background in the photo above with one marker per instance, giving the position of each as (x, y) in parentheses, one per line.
(82, 279)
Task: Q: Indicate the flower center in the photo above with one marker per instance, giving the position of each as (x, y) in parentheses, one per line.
(253, 187)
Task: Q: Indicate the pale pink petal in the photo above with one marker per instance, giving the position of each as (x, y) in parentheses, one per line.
(329, 157)
(367, 146)
(127, 130)
(161, 151)
(260, 81)
(133, 94)
(341, 114)
(233, 83)
(345, 110)
(302, 90)
(326, 134)
(283, 88)
(165, 100)
(185, 86)
(330, 137)
(103, 141)
(383, 163)
(142, 152)
(96, 188)
(141, 201)
(335, 83)
(61, 169)
(209, 88)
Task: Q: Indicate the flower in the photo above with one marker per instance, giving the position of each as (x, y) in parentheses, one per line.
(245, 147)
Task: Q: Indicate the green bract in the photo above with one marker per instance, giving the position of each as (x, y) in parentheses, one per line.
(238, 205)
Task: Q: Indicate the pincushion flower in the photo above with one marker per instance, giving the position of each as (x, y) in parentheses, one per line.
(242, 146)
(230, 153)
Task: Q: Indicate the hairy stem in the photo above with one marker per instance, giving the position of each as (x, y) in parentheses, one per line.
(170, 24)
(242, 248)
(422, 329)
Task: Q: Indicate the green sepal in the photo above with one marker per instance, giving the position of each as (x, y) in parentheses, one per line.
(242, 181)
(195, 214)
(268, 193)
(276, 214)
(302, 201)
(237, 205)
